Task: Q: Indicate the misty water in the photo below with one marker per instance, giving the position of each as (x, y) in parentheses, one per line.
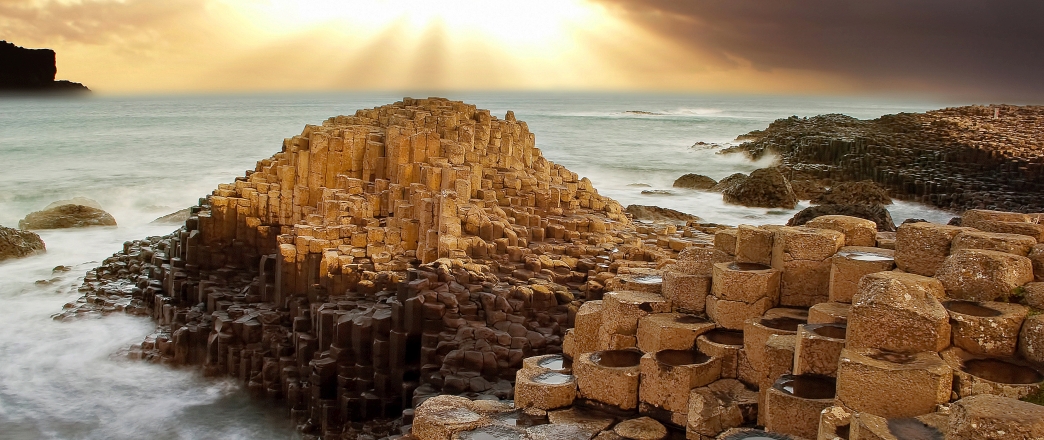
(143, 157)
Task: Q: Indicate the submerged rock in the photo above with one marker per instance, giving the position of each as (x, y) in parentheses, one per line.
(16, 243)
(695, 181)
(656, 213)
(875, 213)
(67, 216)
(765, 188)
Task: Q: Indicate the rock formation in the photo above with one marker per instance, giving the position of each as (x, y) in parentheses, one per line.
(658, 214)
(15, 243)
(695, 181)
(420, 271)
(812, 332)
(853, 193)
(66, 216)
(30, 70)
(766, 188)
(875, 213)
(955, 158)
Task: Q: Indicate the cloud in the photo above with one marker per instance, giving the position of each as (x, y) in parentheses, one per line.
(958, 47)
(131, 24)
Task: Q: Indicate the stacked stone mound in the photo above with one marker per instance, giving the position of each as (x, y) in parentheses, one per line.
(814, 332)
(414, 249)
(955, 158)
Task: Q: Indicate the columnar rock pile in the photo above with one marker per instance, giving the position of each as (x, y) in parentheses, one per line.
(955, 158)
(829, 331)
(413, 249)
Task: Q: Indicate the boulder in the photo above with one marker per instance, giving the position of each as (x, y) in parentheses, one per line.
(898, 312)
(695, 181)
(766, 188)
(74, 201)
(67, 216)
(658, 214)
(15, 243)
(728, 182)
(875, 213)
(865, 192)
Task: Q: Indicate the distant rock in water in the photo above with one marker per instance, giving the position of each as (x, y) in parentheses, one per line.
(173, 218)
(695, 181)
(67, 216)
(875, 213)
(658, 214)
(16, 243)
(31, 70)
(849, 193)
(765, 188)
(658, 192)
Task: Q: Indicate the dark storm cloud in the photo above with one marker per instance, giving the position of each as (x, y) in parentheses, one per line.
(973, 48)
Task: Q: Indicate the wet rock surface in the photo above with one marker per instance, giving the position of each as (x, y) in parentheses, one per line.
(16, 243)
(955, 158)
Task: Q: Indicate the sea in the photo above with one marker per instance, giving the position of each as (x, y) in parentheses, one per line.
(141, 157)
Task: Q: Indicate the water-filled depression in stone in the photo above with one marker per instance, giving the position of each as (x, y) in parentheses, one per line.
(617, 358)
(1002, 372)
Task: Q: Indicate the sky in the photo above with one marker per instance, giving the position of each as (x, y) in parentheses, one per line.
(964, 49)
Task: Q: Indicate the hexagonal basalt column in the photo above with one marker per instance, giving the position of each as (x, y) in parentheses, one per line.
(722, 405)
(988, 329)
(803, 255)
(858, 231)
(981, 375)
(687, 293)
(898, 312)
(1031, 339)
(892, 384)
(978, 275)
(921, 248)
(995, 417)
(622, 309)
(544, 389)
(667, 377)
(849, 265)
(642, 281)
(794, 404)
(550, 362)
(775, 322)
(440, 417)
(670, 331)
(609, 377)
(746, 282)
(725, 345)
(866, 426)
(818, 349)
(829, 313)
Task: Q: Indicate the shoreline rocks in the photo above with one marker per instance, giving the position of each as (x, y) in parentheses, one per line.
(15, 243)
(420, 271)
(955, 158)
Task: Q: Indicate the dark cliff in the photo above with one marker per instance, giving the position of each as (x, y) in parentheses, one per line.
(27, 70)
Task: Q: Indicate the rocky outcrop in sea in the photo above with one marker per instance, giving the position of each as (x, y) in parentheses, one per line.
(31, 70)
(975, 157)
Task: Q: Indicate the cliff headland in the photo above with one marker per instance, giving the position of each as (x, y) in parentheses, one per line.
(31, 70)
